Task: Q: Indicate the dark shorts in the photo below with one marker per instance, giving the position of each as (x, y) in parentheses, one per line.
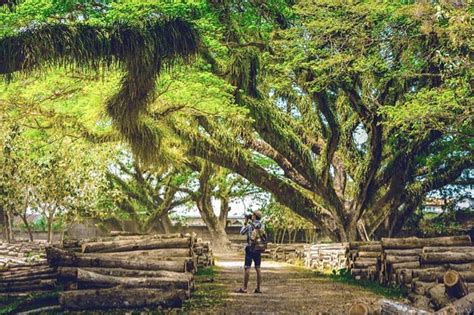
(250, 255)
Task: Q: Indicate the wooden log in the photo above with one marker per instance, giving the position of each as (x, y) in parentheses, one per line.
(438, 296)
(140, 244)
(88, 279)
(364, 264)
(118, 297)
(442, 249)
(414, 242)
(28, 278)
(71, 273)
(419, 301)
(388, 307)
(371, 248)
(391, 259)
(457, 267)
(168, 253)
(369, 254)
(438, 275)
(361, 308)
(357, 245)
(403, 252)
(58, 257)
(464, 305)
(421, 288)
(447, 257)
(406, 265)
(454, 284)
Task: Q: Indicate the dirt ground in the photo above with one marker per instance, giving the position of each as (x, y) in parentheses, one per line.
(286, 290)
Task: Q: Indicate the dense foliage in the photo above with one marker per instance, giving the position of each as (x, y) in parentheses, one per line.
(349, 113)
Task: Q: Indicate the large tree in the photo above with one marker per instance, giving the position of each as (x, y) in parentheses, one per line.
(364, 107)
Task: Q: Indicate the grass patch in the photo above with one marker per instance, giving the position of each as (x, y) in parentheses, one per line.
(208, 292)
(344, 276)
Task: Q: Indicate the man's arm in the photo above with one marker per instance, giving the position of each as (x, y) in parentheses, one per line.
(245, 228)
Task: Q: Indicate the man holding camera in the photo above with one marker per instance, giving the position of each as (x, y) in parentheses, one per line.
(256, 244)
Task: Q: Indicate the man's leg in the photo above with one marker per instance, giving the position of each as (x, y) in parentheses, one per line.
(258, 261)
(259, 277)
(247, 265)
(246, 277)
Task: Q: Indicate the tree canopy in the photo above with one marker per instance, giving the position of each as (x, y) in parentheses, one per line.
(348, 112)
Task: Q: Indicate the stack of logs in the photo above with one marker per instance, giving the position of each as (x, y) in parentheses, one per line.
(363, 258)
(325, 257)
(21, 253)
(435, 271)
(125, 272)
(289, 253)
(203, 253)
(23, 279)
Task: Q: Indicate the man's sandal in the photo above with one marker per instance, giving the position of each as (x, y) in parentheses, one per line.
(241, 291)
(257, 291)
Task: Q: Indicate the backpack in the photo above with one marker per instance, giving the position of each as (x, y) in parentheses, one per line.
(258, 241)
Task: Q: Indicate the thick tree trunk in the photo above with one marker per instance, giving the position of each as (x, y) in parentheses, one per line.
(28, 227)
(447, 258)
(50, 229)
(204, 205)
(225, 208)
(120, 298)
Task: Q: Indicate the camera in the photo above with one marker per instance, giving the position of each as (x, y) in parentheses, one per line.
(248, 216)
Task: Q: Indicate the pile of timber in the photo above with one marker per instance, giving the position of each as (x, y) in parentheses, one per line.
(324, 257)
(24, 279)
(127, 271)
(363, 260)
(21, 253)
(288, 253)
(203, 253)
(436, 272)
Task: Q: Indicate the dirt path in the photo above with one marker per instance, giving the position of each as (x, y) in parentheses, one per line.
(286, 290)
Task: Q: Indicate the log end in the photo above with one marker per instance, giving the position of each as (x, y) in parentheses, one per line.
(360, 308)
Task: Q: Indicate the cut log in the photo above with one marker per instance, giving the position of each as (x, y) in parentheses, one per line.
(140, 244)
(464, 305)
(403, 252)
(361, 308)
(457, 267)
(71, 272)
(443, 249)
(421, 288)
(447, 258)
(88, 279)
(371, 248)
(168, 253)
(438, 296)
(364, 264)
(391, 259)
(58, 257)
(454, 284)
(406, 265)
(119, 297)
(396, 308)
(368, 255)
(438, 275)
(414, 242)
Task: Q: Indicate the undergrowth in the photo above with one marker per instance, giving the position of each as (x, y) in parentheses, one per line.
(15, 304)
(207, 293)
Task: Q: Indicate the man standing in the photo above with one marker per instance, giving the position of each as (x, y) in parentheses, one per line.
(254, 231)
